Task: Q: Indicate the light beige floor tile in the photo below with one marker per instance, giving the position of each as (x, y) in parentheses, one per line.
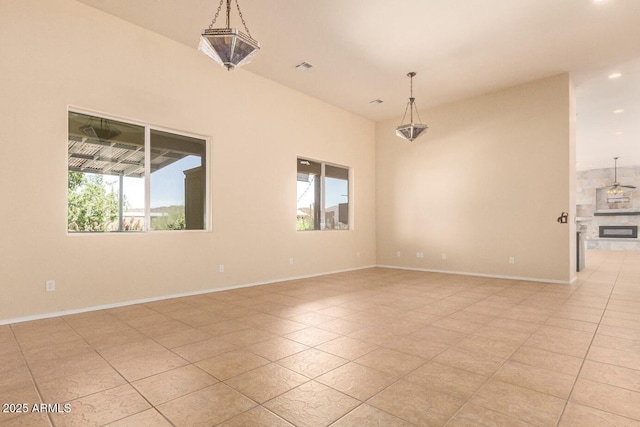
(458, 325)
(607, 398)
(532, 336)
(282, 326)
(246, 337)
(416, 403)
(377, 335)
(611, 374)
(481, 364)
(504, 334)
(456, 382)
(73, 347)
(223, 328)
(257, 417)
(158, 325)
(148, 418)
(37, 419)
(312, 362)
(231, 364)
(622, 323)
(169, 385)
(556, 362)
(103, 407)
(200, 350)
(518, 402)
(341, 326)
(347, 348)
(585, 416)
(23, 395)
(488, 346)
(439, 335)
(125, 337)
(80, 384)
(356, 380)
(138, 365)
(312, 336)
(368, 416)
(617, 343)
(616, 331)
(266, 382)
(521, 313)
(16, 376)
(256, 320)
(625, 358)
(64, 367)
(576, 325)
(538, 379)
(195, 317)
(476, 416)
(390, 361)
(416, 346)
(312, 404)
(209, 406)
(515, 325)
(276, 348)
(577, 347)
(180, 338)
(312, 318)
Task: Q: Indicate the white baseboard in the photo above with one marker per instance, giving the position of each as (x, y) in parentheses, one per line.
(493, 276)
(164, 297)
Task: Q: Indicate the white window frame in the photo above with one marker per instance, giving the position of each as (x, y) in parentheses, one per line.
(323, 192)
(147, 172)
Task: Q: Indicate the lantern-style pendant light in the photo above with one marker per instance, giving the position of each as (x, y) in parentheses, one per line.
(228, 46)
(411, 130)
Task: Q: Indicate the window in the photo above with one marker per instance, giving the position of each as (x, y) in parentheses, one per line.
(323, 196)
(130, 177)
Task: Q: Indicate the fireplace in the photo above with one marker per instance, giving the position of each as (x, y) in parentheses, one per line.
(619, 231)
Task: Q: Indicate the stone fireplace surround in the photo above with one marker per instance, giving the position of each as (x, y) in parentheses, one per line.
(593, 210)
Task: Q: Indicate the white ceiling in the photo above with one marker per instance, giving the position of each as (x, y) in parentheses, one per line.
(362, 50)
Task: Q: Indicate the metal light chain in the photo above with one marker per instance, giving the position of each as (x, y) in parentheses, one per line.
(216, 17)
(242, 19)
(228, 23)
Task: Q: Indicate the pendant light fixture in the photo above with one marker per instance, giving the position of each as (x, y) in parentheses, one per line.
(411, 130)
(228, 46)
(618, 189)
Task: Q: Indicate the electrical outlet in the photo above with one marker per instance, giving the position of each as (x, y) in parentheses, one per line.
(358, 254)
(419, 254)
(512, 260)
(221, 268)
(291, 261)
(398, 254)
(443, 256)
(50, 285)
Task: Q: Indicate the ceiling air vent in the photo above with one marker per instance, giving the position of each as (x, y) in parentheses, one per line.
(304, 66)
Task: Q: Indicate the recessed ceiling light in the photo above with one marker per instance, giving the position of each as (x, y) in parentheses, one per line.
(619, 133)
(615, 75)
(376, 101)
(618, 111)
(304, 66)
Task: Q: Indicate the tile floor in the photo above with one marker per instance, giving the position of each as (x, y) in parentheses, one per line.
(376, 347)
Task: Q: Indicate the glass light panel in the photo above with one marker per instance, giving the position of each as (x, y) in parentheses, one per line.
(228, 46)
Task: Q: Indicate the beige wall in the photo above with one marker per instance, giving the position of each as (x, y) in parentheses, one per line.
(485, 183)
(59, 53)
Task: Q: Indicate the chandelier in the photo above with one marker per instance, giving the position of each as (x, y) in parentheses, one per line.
(228, 46)
(411, 130)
